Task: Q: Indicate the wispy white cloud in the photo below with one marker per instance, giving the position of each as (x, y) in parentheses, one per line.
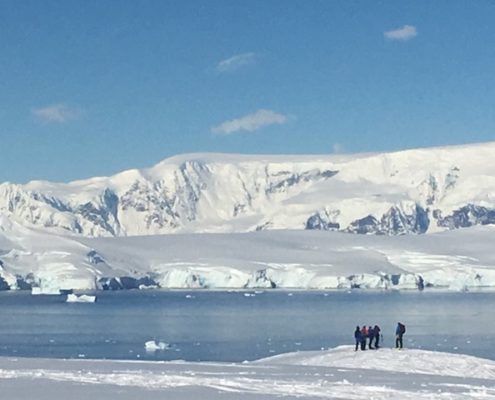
(338, 148)
(59, 113)
(407, 32)
(235, 62)
(250, 122)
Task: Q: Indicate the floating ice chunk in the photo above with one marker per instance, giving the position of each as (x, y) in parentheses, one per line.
(83, 298)
(147, 287)
(153, 345)
(38, 290)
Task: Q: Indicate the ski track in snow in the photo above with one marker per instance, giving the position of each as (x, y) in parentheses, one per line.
(334, 374)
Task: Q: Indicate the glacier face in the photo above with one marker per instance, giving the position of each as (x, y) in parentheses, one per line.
(306, 259)
(413, 191)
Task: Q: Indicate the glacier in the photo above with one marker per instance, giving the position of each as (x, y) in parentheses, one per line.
(455, 260)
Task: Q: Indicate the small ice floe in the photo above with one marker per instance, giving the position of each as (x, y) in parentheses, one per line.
(83, 298)
(38, 291)
(147, 287)
(153, 345)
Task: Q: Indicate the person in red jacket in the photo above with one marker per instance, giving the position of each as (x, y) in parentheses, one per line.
(364, 333)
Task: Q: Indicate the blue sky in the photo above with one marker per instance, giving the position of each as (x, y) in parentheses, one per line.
(95, 87)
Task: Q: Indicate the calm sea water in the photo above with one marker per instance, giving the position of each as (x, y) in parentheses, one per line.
(237, 326)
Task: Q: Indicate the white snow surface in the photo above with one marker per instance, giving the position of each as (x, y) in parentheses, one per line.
(338, 373)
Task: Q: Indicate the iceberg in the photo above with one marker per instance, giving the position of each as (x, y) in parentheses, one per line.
(83, 298)
(152, 346)
(35, 291)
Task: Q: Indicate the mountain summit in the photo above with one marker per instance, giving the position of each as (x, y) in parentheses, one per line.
(413, 191)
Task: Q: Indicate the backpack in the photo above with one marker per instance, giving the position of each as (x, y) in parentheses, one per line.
(402, 328)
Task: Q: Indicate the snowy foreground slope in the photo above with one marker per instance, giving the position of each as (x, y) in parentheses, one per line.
(458, 260)
(414, 191)
(339, 373)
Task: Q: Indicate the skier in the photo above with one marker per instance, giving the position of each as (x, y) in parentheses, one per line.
(376, 331)
(358, 337)
(399, 332)
(371, 337)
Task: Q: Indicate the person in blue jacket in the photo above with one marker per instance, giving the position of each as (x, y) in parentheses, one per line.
(358, 336)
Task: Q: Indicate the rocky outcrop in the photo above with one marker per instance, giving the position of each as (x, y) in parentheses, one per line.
(466, 216)
(394, 222)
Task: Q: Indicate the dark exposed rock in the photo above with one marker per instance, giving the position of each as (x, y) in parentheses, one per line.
(22, 284)
(292, 179)
(465, 217)
(393, 222)
(319, 222)
(261, 279)
(3, 284)
(95, 258)
(364, 225)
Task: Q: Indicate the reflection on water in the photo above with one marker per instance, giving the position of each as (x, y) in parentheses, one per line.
(235, 326)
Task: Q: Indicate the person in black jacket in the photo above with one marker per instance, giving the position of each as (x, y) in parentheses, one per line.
(358, 336)
(371, 337)
(399, 332)
(376, 331)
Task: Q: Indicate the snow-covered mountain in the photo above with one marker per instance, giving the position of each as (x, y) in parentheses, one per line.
(414, 191)
(103, 233)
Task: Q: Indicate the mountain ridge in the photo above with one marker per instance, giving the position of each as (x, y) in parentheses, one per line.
(407, 191)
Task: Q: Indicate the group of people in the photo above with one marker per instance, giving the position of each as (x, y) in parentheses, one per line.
(362, 335)
(372, 336)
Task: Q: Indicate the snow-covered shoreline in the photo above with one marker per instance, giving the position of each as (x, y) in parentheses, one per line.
(338, 373)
